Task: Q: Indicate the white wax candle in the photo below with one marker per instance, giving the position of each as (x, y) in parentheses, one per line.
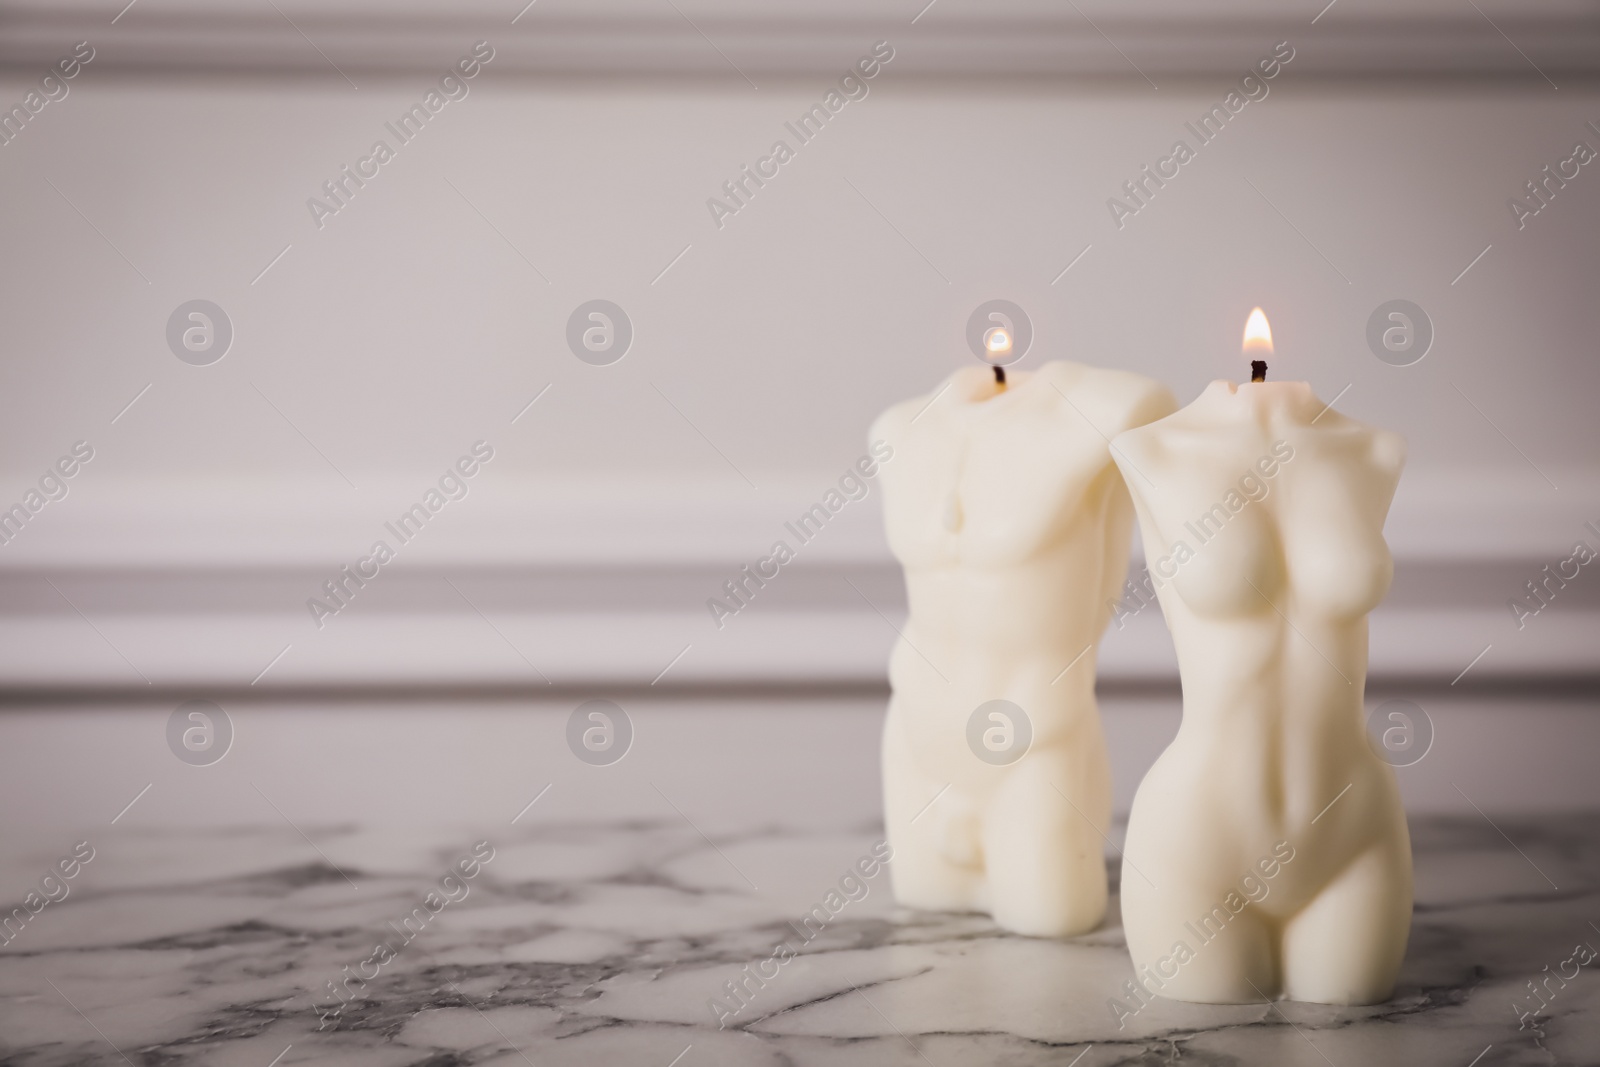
(1012, 523)
(1267, 852)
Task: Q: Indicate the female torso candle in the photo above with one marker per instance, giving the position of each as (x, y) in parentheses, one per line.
(1267, 853)
(1012, 523)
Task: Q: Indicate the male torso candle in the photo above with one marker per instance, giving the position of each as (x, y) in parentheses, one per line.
(1267, 852)
(1012, 524)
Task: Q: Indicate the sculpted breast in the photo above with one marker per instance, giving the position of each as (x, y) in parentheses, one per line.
(995, 494)
(1236, 571)
(1342, 573)
(1013, 505)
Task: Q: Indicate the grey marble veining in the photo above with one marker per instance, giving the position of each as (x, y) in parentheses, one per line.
(607, 944)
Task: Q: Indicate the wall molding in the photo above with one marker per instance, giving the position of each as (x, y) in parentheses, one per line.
(564, 630)
(132, 586)
(729, 41)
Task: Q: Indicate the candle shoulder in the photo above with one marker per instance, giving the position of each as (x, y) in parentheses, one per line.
(1114, 400)
(1240, 497)
(1123, 399)
(1228, 420)
(992, 479)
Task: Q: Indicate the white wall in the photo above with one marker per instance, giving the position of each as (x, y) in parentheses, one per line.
(383, 344)
(407, 327)
(428, 313)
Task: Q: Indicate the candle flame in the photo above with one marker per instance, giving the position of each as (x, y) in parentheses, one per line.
(1257, 334)
(997, 342)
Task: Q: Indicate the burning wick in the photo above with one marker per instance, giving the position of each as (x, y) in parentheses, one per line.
(997, 345)
(1257, 339)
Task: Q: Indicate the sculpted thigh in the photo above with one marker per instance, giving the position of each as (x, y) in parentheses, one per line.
(1184, 913)
(937, 852)
(1043, 847)
(1230, 958)
(1346, 945)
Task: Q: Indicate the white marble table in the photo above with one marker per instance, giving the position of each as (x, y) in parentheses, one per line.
(604, 944)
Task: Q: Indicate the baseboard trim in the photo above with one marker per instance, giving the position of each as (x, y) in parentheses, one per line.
(1566, 689)
(480, 632)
